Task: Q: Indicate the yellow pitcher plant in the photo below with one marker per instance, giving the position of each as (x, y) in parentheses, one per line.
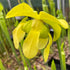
(38, 34)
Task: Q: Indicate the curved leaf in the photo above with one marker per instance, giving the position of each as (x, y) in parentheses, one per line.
(22, 9)
(18, 35)
(64, 24)
(53, 22)
(47, 49)
(30, 45)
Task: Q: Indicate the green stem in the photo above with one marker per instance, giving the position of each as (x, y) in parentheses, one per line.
(63, 60)
(69, 37)
(59, 51)
(63, 56)
(52, 7)
(6, 33)
(23, 59)
(1, 40)
(29, 64)
(69, 28)
(69, 9)
(1, 50)
(44, 6)
(60, 4)
(4, 45)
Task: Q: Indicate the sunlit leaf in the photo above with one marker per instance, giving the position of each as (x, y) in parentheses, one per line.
(53, 22)
(22, 9)
(6, 33)
(53, 67)
(18, 35)
(30, 45)
(64, 24)
(43, 43)
(47, 49)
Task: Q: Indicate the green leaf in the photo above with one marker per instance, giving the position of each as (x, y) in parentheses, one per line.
(1, 65)
(63, 57)
(1, 7)
(53, 67)
(69, 37)
(6, 33)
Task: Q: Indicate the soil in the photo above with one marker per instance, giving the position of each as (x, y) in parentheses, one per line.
(10, 63)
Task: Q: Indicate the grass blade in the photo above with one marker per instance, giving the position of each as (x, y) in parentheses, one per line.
(63, 56)
(69, 37)
(6, 33)
(1, 65)
(53, 67)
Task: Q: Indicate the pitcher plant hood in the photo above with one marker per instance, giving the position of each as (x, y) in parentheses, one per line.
(38, 34)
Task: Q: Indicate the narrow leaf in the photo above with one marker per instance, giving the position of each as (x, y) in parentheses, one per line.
(18, 35)
(1, 65)
(53, 67)
(47, 49)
